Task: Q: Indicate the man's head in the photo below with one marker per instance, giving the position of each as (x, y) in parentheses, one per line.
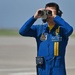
(54, 6)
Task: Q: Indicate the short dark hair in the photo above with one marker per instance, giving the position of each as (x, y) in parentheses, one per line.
(52, 4)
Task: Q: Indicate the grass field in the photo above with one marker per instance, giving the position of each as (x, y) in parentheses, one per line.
(15, 32)
(8, 32)
(73, 35)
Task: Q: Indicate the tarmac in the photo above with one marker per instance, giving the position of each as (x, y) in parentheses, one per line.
(17, 56)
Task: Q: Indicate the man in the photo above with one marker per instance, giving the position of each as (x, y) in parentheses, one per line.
(51, 38)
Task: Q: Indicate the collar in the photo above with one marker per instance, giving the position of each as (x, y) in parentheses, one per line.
(46, 28)
(50, 27)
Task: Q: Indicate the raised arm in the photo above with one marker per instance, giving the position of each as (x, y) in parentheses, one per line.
(67, 29)
(28, 29)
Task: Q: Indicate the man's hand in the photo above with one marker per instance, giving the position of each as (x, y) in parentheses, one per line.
(36, 14)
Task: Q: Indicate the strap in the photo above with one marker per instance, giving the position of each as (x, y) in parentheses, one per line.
(56, 44)
(57, 30)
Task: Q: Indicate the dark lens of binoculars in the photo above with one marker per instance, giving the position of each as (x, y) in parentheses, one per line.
(49, 12)
(40, 13)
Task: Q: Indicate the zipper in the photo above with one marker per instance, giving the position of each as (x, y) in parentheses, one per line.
(48, 44)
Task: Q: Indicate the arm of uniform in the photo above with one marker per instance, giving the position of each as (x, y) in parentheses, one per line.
(67, 29)
(28, 29)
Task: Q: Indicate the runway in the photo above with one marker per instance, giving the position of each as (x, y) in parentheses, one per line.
(17, 56)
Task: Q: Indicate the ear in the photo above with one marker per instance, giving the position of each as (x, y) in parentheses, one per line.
(59, 13)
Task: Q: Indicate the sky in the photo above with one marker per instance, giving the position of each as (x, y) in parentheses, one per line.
(14, 13)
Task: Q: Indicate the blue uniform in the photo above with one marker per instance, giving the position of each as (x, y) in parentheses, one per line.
(45, 46)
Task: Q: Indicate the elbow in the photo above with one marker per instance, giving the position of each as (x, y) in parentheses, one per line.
(21, 32)
(71, 30)
(68, 32)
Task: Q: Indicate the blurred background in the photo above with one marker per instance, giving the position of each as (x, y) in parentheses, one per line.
(17, 53)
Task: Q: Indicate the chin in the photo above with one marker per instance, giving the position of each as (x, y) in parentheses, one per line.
(49, 21)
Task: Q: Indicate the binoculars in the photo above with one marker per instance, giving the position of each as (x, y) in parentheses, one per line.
(44, 14)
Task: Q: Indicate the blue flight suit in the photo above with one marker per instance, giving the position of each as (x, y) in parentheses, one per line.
(45, 47)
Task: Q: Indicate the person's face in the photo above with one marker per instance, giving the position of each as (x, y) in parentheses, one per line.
(53, 9)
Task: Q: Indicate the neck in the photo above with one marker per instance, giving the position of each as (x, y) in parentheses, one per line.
(51, 23)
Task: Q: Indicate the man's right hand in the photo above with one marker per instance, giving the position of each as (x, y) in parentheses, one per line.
(36, 16)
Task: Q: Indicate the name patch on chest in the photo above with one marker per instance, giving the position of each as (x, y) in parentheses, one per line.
(56, 38)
